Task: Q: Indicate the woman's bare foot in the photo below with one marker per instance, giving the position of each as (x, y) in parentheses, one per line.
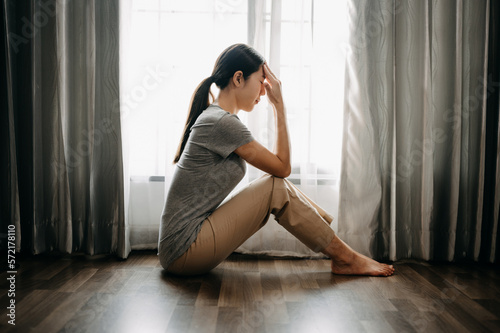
(346, 261)
(361, 265)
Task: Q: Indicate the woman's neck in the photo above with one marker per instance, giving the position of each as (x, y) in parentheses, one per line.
(227, 101)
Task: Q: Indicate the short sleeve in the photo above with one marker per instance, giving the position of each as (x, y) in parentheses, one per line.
(228, 134)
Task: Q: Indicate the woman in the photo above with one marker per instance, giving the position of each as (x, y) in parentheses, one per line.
(196, 234)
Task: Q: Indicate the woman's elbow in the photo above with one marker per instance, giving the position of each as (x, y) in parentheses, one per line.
(283, 173)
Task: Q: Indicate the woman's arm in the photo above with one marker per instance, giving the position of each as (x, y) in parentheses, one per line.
(277, 163)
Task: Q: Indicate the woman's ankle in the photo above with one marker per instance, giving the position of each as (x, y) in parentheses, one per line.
(339, 251)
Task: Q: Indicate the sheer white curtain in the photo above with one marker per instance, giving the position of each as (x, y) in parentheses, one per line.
(171, 46)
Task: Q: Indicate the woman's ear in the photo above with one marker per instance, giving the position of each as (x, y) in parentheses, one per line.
(238, 78)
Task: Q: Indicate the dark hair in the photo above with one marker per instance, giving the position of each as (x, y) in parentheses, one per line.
(237, 57)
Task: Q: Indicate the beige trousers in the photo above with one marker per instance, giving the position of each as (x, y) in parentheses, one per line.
(245, 213)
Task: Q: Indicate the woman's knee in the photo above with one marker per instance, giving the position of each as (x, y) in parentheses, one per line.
(279, 183)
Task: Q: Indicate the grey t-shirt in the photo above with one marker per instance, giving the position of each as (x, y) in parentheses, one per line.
(206, 173)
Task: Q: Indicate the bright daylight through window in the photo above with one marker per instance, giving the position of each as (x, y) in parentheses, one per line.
(170, 47)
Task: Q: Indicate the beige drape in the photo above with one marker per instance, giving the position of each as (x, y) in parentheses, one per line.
(420, 168)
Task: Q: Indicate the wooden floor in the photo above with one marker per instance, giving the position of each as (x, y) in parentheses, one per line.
(244, 294)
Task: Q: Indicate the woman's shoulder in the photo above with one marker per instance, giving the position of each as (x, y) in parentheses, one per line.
(215, 110)
(212, 115)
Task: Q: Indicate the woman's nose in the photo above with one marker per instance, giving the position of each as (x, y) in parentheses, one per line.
(262, 90)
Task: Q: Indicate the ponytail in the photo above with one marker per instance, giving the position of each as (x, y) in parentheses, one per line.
(199, 102)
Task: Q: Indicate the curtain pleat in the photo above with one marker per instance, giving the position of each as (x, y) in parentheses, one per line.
(51, 228)
(108, 200)
(365, 212)
(66, 117)
(420, 154)
(9, 195)
(76, 36)
(16, 116)
(489, 231)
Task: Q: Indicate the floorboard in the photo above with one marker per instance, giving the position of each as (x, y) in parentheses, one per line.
(77, 293)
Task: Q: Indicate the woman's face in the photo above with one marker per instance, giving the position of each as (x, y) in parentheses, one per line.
(251, 91)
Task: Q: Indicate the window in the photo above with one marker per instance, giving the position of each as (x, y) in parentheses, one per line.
(171, 46)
